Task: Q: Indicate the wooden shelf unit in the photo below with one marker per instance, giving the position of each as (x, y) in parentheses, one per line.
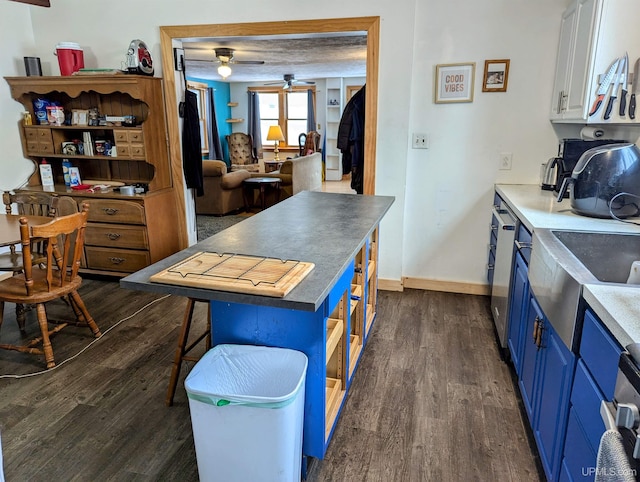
(372, 280)
(125, 233)
(336, 383)
(356, 327)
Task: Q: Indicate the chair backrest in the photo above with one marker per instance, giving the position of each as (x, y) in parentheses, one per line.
(241, 148)
(309, 143)
(31, 203)
(64, 237)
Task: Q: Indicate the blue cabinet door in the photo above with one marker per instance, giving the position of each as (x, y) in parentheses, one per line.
(556, 376)
(519, 299)
(527, 380)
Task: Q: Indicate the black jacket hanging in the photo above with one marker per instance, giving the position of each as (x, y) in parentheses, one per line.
(351, 139)
(191, 143)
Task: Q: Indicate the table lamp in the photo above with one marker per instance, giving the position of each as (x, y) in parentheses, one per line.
(275, 134)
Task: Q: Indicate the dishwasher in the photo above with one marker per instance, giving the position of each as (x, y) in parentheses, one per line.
(505, 225)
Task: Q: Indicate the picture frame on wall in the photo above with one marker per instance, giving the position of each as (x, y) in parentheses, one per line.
(496, 75)
(454, 82)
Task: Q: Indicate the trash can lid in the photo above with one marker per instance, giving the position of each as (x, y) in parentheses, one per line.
(247, 374)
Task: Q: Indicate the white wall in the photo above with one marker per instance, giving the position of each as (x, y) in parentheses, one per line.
(438, 226)
(450, 185)
(16, 38)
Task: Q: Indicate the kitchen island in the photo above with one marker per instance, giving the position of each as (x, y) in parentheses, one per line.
(328, 315)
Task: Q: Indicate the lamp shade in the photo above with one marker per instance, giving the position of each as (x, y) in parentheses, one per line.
(224, 70)
(275, 134)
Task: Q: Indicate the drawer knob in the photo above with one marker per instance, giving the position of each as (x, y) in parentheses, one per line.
(115, 260)
(110, 211)
(113, 236)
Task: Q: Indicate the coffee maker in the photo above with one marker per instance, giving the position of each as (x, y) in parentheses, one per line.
(569, 153)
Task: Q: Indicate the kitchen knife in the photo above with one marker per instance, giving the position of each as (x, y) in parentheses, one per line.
(604, 87)
(634, 88)
(623, 84)
(614, 90)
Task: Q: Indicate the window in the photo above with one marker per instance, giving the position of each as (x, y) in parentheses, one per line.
(202, 93)
(287, 108)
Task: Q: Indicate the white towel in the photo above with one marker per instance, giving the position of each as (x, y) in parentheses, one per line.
(612, 464)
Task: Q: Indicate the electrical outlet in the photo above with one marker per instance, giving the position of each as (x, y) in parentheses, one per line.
(420, 141)
(505, 161)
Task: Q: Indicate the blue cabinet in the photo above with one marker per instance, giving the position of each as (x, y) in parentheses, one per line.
(593, 383)
(518, 300)
(545, 384)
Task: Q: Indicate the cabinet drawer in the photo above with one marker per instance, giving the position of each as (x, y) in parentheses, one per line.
(586, 398)
(116, 259)
(600, 353)
(120, 137)
(115, 211)
(35, 134)
(579, 457)
(116, 236)
(136, 151)
(135, 137)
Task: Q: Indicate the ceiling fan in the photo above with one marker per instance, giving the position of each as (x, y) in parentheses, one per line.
(224, 56)
(289, 80)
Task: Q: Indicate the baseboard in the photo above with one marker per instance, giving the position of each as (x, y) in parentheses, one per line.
(448, 286)
(389, 285)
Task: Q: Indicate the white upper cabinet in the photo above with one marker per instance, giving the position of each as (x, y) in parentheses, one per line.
(593, 34)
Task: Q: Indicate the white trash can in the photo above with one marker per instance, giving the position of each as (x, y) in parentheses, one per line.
(247, 409)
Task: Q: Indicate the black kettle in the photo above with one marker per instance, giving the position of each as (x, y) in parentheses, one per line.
(550, 174)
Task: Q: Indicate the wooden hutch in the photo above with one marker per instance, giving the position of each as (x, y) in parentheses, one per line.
(125, 232)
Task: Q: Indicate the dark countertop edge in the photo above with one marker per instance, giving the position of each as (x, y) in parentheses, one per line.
(139, 281)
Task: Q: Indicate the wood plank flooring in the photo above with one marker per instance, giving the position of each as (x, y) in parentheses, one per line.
(431, 399)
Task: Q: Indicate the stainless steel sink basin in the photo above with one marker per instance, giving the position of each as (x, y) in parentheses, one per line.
(607, 256)
(563, 261)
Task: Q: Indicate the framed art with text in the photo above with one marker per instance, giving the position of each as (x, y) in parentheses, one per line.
(454, 82)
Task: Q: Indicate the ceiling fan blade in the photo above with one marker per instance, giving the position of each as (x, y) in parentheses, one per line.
(247, 62)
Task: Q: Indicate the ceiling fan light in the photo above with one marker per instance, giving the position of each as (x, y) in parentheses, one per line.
(224, 70)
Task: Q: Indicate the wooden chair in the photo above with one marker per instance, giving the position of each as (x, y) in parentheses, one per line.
(55, 278)
(35, 204)
(308, 143)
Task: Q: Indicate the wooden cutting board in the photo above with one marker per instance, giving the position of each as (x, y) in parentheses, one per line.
(237, 273)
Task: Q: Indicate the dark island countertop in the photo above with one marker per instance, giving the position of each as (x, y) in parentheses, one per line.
(326, 229)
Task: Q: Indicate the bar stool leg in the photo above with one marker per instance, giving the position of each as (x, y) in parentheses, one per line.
(182, 349)
(177, 358)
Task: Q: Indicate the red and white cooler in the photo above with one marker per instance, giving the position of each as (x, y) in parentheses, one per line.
(70, 57)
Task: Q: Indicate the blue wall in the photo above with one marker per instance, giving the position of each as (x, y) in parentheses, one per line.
(221, 98)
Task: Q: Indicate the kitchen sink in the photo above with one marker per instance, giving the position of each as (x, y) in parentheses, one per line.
(563, 261)
(607, 256)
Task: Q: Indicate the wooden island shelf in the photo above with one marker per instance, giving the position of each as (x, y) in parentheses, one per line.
(323, 316)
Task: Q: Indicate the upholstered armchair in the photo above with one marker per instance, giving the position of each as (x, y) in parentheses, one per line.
(241, 152)
(222, 189)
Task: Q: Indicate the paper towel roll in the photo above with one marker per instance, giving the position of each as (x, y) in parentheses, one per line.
(591, 133)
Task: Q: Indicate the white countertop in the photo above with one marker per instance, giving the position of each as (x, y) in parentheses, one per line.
(540, 209)
(618, 306)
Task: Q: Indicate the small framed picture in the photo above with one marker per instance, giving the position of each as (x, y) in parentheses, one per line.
(79, 117)
(454, 82)
(496, 75)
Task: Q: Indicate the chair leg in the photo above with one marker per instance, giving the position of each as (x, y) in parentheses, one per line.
(21, 316)
(180, 350)
(44, 329)
(79, 305)
(1, 312)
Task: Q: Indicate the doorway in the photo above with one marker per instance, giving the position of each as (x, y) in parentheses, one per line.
(169, 34)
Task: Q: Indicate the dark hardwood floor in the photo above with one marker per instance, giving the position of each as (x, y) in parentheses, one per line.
(431, 399)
